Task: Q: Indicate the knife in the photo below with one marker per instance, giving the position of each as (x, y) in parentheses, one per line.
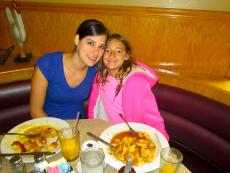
(27, 135)
(99, 139)
(23, 154)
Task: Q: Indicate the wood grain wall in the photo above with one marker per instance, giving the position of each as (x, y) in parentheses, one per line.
(181, 41)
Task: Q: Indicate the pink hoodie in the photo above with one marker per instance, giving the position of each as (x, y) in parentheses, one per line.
(138, 102)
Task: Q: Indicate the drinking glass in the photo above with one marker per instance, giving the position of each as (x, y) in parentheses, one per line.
(69, 139)
(170, 159)
(92, 160)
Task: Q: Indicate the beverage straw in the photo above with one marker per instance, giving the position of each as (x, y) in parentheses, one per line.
(77, 120)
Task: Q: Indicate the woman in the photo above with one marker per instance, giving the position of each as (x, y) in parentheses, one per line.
(124, 87)
(62, 81)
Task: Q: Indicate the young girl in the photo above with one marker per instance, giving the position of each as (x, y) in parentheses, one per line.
(124, 87)
(61, 81)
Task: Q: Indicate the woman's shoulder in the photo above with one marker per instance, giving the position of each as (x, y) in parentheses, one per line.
(52, 56)
(50, 59)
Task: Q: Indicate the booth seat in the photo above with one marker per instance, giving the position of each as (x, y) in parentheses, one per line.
(14, 104)
(198, 126)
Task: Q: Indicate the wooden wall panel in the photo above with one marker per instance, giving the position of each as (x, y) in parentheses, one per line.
(182, 41)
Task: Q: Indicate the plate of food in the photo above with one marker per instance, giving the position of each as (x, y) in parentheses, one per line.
(143, 148)
(47, 140)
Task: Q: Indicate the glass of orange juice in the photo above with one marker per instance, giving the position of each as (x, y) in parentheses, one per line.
(69, 139)
(170, 159)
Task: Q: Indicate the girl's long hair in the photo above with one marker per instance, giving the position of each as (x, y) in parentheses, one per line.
(124, 70)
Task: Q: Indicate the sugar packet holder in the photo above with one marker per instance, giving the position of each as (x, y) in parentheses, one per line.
(60, 166)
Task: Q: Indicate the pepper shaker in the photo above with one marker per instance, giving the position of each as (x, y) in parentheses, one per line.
(17, 165)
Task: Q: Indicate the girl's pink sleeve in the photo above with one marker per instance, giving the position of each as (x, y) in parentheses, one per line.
(139, 105)
(150, 111)
(93, 99)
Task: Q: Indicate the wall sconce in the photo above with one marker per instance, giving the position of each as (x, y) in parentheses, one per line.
(17, 29)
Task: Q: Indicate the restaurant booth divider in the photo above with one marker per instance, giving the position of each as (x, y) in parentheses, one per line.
(198, 126)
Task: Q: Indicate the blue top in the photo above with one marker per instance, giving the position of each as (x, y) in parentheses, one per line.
(63, 101)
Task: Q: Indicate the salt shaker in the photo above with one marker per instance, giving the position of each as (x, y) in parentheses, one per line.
(17, 165)
(127, 168)
(41, 163)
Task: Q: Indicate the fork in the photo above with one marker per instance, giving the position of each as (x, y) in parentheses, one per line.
(27, 135)
(132, 131)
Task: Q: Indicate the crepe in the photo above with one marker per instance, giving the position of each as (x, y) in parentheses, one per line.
(38, 143)
(139, 147)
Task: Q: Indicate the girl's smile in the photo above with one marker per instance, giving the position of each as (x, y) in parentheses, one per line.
(114, 57)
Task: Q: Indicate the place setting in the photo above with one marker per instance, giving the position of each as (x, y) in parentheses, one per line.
(29, 141)
(20, 140)
(119, 142)
(124, 146)
(148, 142)
(95, 157)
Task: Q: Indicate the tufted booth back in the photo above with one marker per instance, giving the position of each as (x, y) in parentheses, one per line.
(14, 104)
(197, 124)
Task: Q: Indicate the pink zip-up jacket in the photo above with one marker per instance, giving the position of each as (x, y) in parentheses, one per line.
(138, 101)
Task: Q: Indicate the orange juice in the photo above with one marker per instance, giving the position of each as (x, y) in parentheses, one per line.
(70, 144)
(167, 168)
(170, 159)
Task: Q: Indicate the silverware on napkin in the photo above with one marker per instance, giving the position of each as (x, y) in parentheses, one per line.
(31, 153)
(27, 135)
(99, 139)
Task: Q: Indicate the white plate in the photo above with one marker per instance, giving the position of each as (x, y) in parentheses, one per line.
(111, 131)
(8, 139)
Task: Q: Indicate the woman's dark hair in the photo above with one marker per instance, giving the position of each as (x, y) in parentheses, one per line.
(92, 27)
(124, 70)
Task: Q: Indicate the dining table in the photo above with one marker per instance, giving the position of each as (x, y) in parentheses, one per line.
(96, 126)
